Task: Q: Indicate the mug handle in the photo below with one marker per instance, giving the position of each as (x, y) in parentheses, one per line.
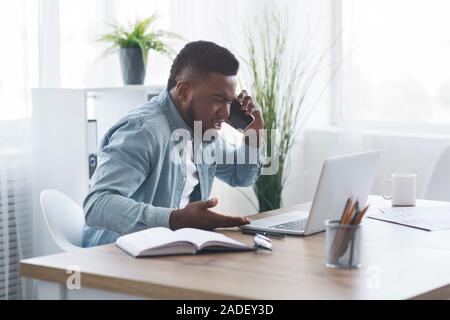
(386, 197)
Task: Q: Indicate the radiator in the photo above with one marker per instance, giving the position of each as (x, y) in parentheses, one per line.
(15, 224)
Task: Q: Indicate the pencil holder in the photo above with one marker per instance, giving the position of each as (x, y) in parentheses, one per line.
(343, 245)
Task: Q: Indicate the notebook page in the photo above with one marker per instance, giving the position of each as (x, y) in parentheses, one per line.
(138, 242)
(201, 237)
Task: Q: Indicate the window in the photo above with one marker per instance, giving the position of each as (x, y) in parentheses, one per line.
(18, 57)
(396, 60)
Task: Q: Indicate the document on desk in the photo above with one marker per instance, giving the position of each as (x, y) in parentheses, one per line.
(430, 219)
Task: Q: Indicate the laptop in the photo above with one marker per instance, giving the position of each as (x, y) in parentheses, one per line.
(342, 177)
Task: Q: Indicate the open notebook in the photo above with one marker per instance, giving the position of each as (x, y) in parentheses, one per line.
(163, 241)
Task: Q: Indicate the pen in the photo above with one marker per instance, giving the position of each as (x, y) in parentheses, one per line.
(267, 234)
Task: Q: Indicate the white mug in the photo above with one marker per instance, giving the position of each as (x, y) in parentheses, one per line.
(403, 189)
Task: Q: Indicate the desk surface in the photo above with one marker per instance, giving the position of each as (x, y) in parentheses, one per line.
(398, 263)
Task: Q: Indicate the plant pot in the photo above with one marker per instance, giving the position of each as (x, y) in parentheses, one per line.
(268, 190)
(132, 65)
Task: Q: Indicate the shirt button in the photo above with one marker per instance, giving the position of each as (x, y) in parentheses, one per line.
(183, 179)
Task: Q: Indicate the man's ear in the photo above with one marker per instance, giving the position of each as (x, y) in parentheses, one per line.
(184, 91)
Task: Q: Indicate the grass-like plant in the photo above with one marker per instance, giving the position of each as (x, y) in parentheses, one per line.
(280, 81)
(137, 36)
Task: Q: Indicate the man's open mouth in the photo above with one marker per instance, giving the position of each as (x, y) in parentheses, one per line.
(217, 124)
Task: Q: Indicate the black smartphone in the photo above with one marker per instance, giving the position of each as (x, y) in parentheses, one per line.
(238, 119)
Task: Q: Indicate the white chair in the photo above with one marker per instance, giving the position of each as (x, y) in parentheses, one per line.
(438, 185)
(65, 219)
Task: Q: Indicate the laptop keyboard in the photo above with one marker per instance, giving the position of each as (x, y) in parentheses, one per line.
(297, 225)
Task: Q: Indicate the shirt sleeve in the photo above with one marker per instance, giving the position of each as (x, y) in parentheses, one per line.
(124, 163)
(245, 167)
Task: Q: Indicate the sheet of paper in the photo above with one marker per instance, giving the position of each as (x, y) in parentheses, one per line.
(431, 219)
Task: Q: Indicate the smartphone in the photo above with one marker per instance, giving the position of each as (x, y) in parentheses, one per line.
(238, 119)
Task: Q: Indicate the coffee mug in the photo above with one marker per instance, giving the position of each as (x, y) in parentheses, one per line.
(403, 189)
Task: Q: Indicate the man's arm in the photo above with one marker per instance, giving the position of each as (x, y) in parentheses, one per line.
(240, 173)
(125, 162)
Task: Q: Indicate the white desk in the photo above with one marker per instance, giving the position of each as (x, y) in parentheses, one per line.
(398, 263)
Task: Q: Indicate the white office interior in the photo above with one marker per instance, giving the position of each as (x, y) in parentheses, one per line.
(384, 83)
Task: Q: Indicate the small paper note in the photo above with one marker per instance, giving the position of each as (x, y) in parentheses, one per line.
(430, 219)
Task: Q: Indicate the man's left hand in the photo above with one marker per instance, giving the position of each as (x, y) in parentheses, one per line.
(250, 107)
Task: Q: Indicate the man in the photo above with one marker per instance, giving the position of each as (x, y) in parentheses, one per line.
(136, 184)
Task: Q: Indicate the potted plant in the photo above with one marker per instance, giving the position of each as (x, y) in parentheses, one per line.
(134, 44)
(280, 84)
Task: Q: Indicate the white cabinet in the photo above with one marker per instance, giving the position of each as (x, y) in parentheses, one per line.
(63, 140)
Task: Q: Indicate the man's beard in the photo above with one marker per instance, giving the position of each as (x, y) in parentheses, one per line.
(191, 115)
(194, 117)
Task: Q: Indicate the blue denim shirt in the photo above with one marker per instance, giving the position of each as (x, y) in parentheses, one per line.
(136, 184)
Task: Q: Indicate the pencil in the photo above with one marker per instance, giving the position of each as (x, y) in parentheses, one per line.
(348, 204)
(361, 215)
(349, 213)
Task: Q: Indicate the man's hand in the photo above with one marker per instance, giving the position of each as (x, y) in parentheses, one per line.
(250, 107)
(197, 215)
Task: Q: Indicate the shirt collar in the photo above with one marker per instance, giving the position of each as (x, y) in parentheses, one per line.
(174, 117)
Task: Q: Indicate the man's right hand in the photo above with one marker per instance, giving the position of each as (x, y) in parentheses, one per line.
(197, 215)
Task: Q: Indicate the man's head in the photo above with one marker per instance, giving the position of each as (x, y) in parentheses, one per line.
(203, 83)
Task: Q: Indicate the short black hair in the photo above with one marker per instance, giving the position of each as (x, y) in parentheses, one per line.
(205, 57)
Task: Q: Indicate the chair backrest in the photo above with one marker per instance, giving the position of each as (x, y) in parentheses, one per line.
(65, 219)
(438, 186)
